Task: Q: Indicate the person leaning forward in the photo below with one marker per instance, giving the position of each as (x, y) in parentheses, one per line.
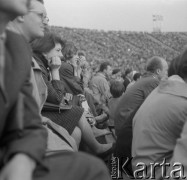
(23, 139)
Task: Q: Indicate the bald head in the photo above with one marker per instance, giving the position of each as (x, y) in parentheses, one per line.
(158, 66)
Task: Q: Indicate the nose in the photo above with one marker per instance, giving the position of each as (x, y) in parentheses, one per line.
(61, 55)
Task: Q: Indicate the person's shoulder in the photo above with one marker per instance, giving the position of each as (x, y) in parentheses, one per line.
(17, 40)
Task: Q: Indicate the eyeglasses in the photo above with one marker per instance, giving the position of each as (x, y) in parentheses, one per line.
(41, 15)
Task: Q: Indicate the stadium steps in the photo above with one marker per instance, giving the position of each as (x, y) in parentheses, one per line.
(160, 43)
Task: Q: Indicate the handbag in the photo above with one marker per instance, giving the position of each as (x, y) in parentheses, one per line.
(54, 107)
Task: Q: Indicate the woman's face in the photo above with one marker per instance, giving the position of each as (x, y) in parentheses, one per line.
(55, 52)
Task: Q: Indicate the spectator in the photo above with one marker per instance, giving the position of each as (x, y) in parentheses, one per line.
(100, 85)
(127, 78)
(136, 77)
(159, 122)
(132, 100)
(21, 132)
(116, 89)
(48, 56)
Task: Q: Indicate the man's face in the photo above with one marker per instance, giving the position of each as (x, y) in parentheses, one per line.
(108, 71)
(14, 7)
(35, 22)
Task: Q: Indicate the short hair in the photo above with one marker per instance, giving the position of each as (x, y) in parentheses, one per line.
(46, 43)
(128, 71)
(81, 53)
(104, 66)
(116, 89)
(69, 50)
(174, 66)
(115, 71)
(153, 64)
(179, 65)
(136, 76)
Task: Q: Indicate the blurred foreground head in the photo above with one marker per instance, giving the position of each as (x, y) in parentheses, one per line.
(13, 8)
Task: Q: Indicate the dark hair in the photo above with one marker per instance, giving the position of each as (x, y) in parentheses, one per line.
(46, 43)
(153, 64)
(174, 66)
(40, 1)
(104, 66)
(127, 71)
(69, 50)
(116, 89)
(179, 65)
(115, 71)
(81, 53)
(136, 76)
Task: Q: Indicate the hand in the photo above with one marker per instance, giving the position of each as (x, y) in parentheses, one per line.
(20, 167)
(55, 63)
(68, 97)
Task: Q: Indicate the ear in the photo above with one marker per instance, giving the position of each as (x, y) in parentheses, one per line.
(20, 19)
(158, 71)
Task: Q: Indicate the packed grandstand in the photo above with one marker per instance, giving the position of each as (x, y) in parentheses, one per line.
(124, 48)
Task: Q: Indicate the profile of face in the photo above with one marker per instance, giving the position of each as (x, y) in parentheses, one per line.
(74, 60)
(36, 21)
(163, 73)
(108, 71)
(15, 7)
(55, 52)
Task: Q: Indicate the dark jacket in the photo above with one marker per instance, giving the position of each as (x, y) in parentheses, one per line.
(56, 88)
(73, 84)
(20, 129)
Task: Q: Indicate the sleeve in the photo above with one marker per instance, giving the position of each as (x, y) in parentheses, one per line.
(25, 134)
(105, 90)
(55, 88)
(72, 81)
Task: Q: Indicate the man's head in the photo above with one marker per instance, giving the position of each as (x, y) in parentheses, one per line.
(14, 8)
(106, 69)
(36, 21)
(158, 66)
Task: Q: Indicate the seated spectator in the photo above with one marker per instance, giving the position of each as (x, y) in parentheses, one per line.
(136, 77)
(159, 122)
(23, 139)
(132, 100)
(70, 74)
(116, 89)
(47, 53)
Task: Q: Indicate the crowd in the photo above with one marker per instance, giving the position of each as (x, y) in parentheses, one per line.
(125, 48)
(61, 90)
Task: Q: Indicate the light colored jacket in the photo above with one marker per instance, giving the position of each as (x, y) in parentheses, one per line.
(159, 122)
(40, 94)
(100, 88)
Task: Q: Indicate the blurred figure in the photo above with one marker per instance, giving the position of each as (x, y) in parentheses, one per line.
(127, 77)
(116, 75)
(160, 120)
(23, 139)
(116, 89)
(136, 77)
(100, 85)
(131, 101)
